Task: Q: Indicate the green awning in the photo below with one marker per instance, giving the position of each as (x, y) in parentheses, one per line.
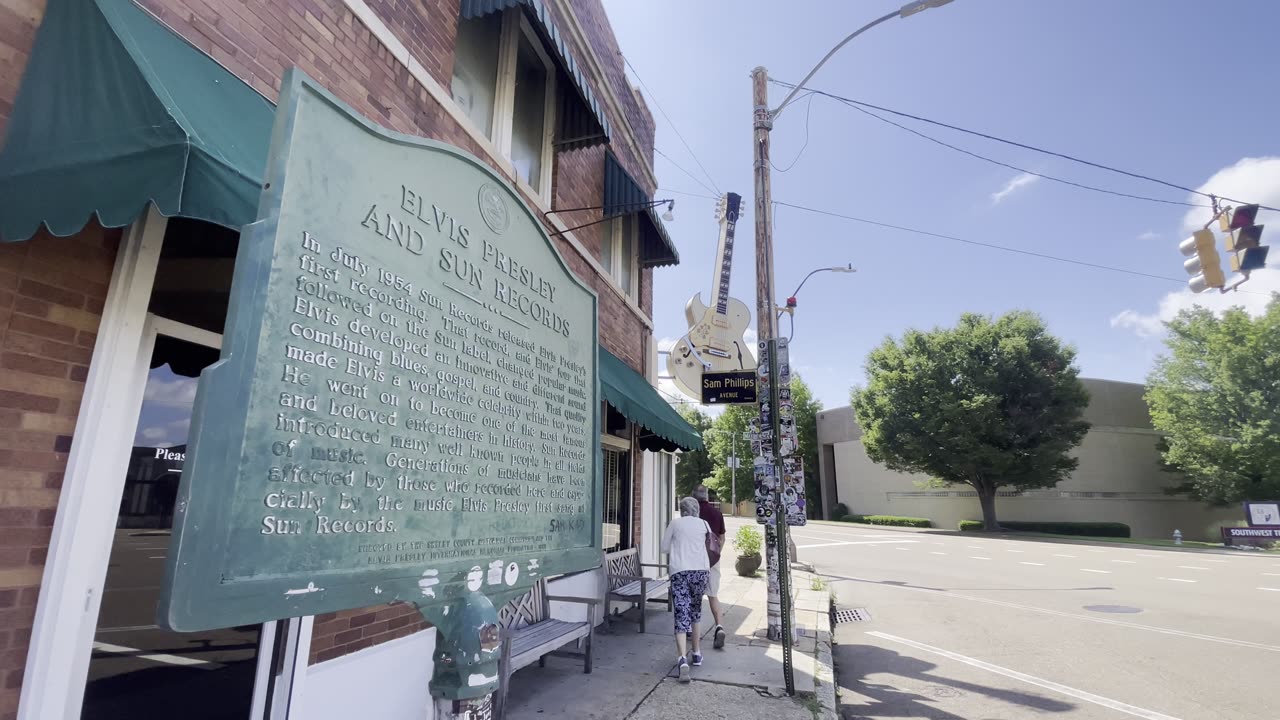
(580, 121)
(116, 110)
(623, 195)
(630, 394)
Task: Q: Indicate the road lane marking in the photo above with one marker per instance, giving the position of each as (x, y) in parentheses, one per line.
(156, 657)
(1191, 567)
(1094, 550)
(1150, 555)
(1031, 563)
(1062, 555)
(978, 557)
(935, 552)
(1127, 562)
(975, 547)
(1178, 580)
(1102, 572)
(1272, 574)
(1074, 616)
(1030, 679)
(1014, 551)
(1270, 589)
(901, 548)
(853, 542)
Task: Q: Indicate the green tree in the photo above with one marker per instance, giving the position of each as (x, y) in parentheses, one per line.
(1215, 396)
(726, 430)
(990, 403)
(696, 465)
(806, 409)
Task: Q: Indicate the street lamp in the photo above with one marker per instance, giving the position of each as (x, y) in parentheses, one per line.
(626, 209)
(791, 299)
(779, 618)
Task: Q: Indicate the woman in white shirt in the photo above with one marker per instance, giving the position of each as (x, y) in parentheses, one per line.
(685, 544)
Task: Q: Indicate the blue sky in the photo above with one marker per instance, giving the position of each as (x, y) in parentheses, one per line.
(1157, 87)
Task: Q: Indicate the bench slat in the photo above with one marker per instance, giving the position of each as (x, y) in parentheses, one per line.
(632, 589)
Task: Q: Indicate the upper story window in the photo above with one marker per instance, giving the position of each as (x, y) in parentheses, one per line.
(505, 82)
(619, 243)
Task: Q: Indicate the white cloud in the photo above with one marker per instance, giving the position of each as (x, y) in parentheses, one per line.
(1013, 186)
(180, 392)
(1149, 235)
(665, 344)
(1252, 179)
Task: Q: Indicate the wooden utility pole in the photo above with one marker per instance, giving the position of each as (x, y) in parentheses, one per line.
(766, 310)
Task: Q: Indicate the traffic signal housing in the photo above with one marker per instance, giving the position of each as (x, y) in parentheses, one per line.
(1243, 239)
(1204, 265)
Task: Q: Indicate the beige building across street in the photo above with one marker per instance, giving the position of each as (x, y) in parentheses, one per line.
(1119, 478)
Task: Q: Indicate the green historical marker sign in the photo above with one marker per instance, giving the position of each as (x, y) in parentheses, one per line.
(407, 404)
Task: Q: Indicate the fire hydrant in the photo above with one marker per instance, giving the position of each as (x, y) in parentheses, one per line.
(1177, 537)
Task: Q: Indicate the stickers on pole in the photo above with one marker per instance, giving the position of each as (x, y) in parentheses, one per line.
(765, 440)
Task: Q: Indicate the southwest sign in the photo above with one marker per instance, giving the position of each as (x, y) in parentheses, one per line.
(406, 407)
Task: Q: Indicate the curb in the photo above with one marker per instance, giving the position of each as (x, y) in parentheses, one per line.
(824, 679)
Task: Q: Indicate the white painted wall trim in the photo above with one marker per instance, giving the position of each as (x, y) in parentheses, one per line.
(401, 53)
(71, 590)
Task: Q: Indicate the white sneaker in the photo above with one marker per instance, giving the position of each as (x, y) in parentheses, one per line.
(684, 671)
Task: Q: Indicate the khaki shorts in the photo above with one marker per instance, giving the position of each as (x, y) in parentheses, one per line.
(713, 582)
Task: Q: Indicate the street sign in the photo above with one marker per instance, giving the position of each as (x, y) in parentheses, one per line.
(725, 388)
(407, 404)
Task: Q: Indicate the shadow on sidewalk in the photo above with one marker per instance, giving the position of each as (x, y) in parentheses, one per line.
(918, 696)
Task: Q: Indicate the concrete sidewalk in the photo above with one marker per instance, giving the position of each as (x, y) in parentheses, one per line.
(634, 674)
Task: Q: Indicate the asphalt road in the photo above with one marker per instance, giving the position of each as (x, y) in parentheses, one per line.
(965, 628)
(139, 670)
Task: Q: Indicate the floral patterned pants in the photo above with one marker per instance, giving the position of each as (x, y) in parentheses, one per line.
(687, 588)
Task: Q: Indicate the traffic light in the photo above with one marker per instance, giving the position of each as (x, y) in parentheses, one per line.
(1243, 238)
(1205, 266)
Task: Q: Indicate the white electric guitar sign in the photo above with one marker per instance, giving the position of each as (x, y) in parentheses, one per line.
(715, 341)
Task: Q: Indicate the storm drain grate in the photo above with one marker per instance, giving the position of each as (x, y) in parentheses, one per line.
(849, 615)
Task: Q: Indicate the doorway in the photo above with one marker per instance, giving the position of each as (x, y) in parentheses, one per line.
(138, 669)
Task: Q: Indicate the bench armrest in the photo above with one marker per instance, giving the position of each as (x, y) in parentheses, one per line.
(568, 599)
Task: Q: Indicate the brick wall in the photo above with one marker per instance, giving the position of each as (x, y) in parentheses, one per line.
(256, 40)
(51, 296)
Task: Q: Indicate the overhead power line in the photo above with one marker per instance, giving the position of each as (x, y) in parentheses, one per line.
(693, 177)
(672, 123)
(1024, 146)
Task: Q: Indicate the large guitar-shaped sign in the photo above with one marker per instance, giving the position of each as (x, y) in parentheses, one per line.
(715, 341)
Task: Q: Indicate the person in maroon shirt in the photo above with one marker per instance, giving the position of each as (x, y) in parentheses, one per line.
(715, 519)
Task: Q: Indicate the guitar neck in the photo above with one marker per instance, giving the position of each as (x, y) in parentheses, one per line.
(724, 253)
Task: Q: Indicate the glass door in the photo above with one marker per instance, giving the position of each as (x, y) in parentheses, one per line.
(137, 669)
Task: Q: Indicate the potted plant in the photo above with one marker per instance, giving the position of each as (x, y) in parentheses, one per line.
(747, 541)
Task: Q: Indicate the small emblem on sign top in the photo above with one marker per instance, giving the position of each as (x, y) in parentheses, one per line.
(494, 209)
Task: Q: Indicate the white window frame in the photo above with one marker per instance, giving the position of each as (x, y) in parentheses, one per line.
(515, 24)
(616, 227)
(75, 572)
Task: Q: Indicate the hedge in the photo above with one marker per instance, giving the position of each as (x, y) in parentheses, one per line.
(888, 520)
(1086, 529)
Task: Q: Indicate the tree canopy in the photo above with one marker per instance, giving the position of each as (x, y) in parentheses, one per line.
(694, 466)
(1215, 396)
(726, 430)
(990, 403)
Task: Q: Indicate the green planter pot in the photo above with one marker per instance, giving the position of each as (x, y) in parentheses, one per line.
(747, 565)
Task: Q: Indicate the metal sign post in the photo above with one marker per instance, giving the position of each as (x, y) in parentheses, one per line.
(780, 373)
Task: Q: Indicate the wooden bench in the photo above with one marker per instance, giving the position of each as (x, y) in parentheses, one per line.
(530, 633)
(626, 583)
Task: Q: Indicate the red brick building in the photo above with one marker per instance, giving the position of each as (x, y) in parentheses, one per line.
(116, 257)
